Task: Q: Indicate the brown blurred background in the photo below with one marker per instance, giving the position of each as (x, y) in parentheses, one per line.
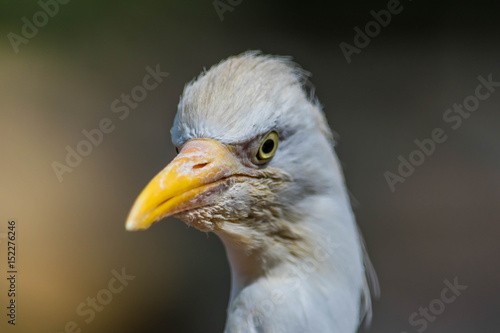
(441, 223)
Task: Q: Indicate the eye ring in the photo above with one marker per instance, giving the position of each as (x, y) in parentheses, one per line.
(267, 148)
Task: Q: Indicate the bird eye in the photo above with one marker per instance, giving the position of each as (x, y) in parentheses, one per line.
(267, 148)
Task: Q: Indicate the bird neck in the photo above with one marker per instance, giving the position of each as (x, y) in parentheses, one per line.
(323, 281)
(246, 267)
(328, 226)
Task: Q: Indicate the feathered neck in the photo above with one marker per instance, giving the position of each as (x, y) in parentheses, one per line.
(317, 289)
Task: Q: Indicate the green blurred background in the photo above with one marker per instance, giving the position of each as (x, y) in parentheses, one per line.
(441, 223)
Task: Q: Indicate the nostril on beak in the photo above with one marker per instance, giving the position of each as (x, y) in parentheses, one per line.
(201, 165)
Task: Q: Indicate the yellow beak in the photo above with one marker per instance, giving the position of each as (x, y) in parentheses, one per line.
(191, 180)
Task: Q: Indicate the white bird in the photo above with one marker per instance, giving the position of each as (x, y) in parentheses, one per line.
(256, 166)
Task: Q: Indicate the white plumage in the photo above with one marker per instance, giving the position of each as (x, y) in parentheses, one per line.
(297, 259)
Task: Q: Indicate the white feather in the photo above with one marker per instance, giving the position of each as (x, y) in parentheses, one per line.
(297, 259)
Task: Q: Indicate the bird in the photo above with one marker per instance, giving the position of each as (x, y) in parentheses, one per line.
(256, 165)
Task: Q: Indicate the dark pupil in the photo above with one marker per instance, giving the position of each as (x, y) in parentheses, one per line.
(268, 146)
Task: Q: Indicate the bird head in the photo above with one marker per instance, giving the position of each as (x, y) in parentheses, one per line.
(253, 150)
(256, 166)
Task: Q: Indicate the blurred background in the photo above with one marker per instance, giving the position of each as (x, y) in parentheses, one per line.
(440, 223)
